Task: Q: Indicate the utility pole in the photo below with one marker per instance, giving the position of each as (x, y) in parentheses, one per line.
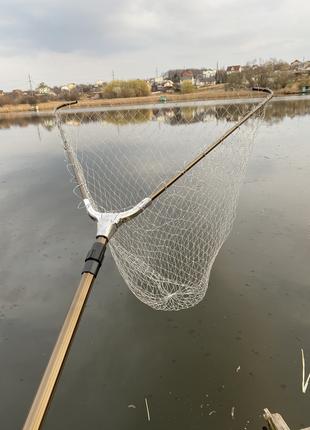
(33, 103)
(113, 75)
(30, 84)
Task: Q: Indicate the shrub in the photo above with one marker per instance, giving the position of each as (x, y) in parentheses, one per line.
(131, 88)
(187, 87)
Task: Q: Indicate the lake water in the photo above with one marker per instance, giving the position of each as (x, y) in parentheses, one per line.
(255, 317)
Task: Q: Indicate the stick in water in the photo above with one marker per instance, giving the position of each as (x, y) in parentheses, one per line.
(147, 409)
(233, 412)
(304, 384)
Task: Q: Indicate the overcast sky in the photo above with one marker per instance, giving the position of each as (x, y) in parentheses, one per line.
(62, 41)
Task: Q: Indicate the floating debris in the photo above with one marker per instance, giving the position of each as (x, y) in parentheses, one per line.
(132, 406)
(246, 426)
(233, 412)
(238, 368)
(147, 409)
(212, 412)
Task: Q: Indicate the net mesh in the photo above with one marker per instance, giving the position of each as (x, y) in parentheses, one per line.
(165, 254)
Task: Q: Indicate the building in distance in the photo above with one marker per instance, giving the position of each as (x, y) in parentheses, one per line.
(234, 69)
(68, 87)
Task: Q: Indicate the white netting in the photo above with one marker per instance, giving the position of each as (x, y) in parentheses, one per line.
(166, 253)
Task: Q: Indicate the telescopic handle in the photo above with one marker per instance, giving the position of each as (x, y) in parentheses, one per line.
(43, 396)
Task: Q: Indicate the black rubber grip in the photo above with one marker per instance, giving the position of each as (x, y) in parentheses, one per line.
(96, 252)
(94, 258)
(91, 266)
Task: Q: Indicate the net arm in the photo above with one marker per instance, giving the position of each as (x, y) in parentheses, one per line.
(107, 224)
(221, 139)
(73, 161)
(53, 370)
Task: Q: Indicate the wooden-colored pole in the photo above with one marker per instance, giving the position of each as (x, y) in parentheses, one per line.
(52, 372)
(276, 422)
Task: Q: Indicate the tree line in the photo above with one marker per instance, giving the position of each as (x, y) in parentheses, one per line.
(275, 74)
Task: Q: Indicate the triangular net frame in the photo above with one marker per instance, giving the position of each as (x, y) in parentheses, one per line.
(120, 156)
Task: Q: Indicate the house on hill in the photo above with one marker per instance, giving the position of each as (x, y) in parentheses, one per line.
(99, 83)
(234, 69)
(208, 73)
(17, 92)
(168, 85)
(187, 75)
(68, 87)
(296, 64)
(205, 79)
(44, 89)
(300, 68)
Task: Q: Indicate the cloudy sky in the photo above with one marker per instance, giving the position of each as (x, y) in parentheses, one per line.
(59, 41)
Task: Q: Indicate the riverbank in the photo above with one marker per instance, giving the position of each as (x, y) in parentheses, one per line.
(215, 93)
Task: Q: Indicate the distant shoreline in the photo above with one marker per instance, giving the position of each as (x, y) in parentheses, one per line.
(199, 95)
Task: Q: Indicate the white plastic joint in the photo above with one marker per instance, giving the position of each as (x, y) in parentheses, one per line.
(108, 222)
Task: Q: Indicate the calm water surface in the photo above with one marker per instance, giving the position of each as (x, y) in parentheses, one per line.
(255, 314)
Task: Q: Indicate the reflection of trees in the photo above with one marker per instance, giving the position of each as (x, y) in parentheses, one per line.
(275, 112)
(117, 117)
(189, 115)
(24, 120)
(48, 123)
(135, 116)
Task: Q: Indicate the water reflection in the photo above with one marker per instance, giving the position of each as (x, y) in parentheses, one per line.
(275, 112)
(278, 110)
(24, 120)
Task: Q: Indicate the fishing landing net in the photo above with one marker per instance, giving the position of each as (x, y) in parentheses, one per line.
(121, 156)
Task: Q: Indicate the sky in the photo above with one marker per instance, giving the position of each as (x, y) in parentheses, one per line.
(64, 41)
